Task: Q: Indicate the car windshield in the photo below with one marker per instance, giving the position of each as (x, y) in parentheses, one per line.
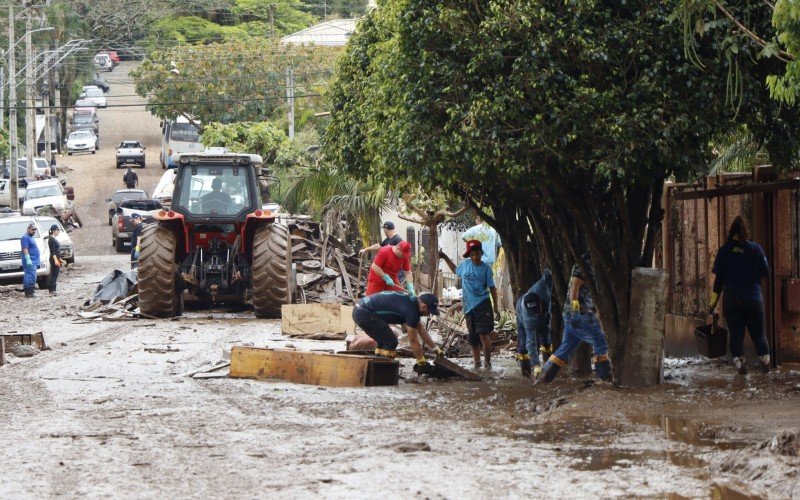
(130, 144)
(81, 135)
(41, 163)
(127, 195)
(46, 222)
(210, 190)
(83, 103)
(83, 120)
(13, 230)
(184, 132)
(94, 93)
(42, 192)
(21, 172)
(144, 205)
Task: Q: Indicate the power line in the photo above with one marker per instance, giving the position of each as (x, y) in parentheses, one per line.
(185, 103)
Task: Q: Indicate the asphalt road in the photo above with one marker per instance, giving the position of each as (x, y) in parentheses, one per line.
(95, 176)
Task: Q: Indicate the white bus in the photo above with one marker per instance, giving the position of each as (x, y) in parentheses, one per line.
(178, 136)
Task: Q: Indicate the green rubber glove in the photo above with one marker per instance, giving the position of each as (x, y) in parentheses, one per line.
(410, 290)
(28, 261)
(387, 279)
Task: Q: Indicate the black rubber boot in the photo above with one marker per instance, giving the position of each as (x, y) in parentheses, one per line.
(423, 368)
(549, 372)
(603, 369)
(525, 364)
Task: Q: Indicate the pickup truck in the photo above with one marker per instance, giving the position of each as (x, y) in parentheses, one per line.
(47, 192)
(121, 226)
(130, 152)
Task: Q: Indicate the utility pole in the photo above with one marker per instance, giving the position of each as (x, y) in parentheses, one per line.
(290, 99)
(30, 98)
(13, 139)
(2, 98)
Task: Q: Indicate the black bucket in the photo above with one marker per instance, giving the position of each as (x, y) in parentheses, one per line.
(712, 341)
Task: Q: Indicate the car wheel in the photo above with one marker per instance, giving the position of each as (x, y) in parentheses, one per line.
(69, 153)
(120, 244)
(94, 151)
(118, 165)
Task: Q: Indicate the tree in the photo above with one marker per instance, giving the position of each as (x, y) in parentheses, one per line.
(246, 137)
(237, 80)
(557, 121)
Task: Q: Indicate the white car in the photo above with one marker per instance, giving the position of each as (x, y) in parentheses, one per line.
(42, 193)
(130, 152)
(82, 141)
(103, 61)
(11, 231)
(67, 248)
(95, 96)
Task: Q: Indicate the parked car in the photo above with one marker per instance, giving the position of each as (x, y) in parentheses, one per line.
(165, 188)
(121, 225)
(112, 54)
(41, 167)
(84, 103)
(121, 195)
(5, 191)
(95, 96)
(130, 152)
(67, 248)
(85, 121)
(100, 82)
(103, 62)
(42, 193)
(82, 141)
(11, 230)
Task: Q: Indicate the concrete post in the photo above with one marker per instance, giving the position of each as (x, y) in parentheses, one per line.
(12, 111)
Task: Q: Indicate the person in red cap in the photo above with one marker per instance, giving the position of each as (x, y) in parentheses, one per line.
(477, 283)
(390, 260)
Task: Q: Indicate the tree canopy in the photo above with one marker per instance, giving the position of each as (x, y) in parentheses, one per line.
(559, 121)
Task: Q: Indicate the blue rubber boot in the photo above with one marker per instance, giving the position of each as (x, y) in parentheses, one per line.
(602, 367)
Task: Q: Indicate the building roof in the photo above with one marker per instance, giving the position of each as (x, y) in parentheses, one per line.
(333, 33)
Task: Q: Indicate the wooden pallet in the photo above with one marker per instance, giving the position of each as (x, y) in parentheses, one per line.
(303, 367)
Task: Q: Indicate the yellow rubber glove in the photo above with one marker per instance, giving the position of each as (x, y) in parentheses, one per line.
(576, 306)
(713, 303)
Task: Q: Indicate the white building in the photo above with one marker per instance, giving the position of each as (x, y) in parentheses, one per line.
(333, 33)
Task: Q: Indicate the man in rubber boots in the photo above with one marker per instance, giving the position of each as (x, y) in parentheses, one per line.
(376, 312)
(383, 273)
(533, 325)
(580, 324)
(477, 283)
(30, 261)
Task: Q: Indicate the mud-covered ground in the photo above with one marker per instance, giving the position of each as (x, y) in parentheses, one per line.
(110, 410)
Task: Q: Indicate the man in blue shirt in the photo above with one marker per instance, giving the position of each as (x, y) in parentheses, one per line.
(30, 260)
(477, 283)
(376, 312)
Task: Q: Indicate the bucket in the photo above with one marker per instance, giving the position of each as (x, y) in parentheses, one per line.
(712, 341)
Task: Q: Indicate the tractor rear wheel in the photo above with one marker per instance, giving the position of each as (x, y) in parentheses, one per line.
(158, 287)
(270, 270)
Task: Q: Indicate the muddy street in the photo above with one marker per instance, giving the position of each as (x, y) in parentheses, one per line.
(110, 411)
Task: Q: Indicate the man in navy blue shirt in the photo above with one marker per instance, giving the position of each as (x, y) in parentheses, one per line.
(376, 312)
(30, 260)
(533, 325)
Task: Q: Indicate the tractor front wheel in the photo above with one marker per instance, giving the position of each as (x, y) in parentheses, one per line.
(158, 287)
(270, 270)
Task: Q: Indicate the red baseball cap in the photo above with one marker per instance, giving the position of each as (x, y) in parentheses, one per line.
(473, 245)
(405, 247)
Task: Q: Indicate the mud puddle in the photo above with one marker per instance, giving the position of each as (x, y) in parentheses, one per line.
(689, 432)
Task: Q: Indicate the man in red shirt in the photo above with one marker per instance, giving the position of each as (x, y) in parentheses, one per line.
(383, 272)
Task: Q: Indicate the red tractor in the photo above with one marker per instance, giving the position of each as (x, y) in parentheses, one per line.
(216, 243)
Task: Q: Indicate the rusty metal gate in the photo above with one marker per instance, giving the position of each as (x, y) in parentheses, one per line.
(695, 226)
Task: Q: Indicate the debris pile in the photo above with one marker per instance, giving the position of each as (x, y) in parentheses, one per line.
(326, 272)
(114, 299)
(454, 335)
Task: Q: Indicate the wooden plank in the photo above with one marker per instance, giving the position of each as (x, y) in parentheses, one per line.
(313, 368)
(15, 339)
(456, 368)
(320, 321)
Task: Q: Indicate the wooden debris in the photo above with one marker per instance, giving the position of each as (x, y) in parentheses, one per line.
(126, 309)
(317, 321)
(333, 370)
(455, 368)
(34, 339)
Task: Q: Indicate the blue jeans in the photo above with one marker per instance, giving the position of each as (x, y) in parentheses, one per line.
(533, 331)
(587, 328)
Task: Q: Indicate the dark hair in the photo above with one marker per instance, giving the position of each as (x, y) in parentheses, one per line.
(738, 229)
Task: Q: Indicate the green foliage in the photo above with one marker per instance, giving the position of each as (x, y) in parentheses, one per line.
(260, 138)
(238, 80)
(4, 151)
(194, 30)
(786, 20)
(288, 15)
